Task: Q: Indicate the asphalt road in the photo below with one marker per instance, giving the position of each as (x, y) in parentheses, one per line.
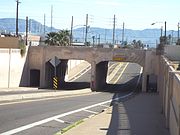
(48, 113)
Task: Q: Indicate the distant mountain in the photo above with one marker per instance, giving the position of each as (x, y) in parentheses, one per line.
(147, 36)
(9, 25)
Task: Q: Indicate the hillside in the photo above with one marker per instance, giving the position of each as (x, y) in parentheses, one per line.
(9, 25)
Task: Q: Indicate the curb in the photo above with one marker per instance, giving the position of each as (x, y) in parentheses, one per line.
(15, 97)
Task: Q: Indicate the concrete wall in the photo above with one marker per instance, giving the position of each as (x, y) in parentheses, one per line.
(9, 42)
(172, 52)
(12, 69)
(169, 88)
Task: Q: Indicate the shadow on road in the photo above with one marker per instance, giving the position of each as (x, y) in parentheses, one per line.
(74, 85)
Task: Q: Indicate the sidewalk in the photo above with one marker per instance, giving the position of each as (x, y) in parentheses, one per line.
(140, 115)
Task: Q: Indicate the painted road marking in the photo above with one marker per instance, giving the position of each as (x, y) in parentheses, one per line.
(121, 73)
(80, 74)
(58, 120)
(114, 72)
(104, 105)
(91, 111)
(19, 129)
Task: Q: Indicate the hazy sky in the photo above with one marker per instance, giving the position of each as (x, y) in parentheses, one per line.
(137, 14)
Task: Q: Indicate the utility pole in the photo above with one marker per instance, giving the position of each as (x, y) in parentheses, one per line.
(99, 39)
(114, 21)
(17, 13)
(105, 34)
(93, 37)
(71, 34)
(165, 29)
(161, 30)
(178, 31)
(44, 23)
(51, 17)
(86, 29)
(165, 33)
(123, 35)
(26, 30)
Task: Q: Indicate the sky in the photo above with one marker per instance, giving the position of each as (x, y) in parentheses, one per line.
(136, 14)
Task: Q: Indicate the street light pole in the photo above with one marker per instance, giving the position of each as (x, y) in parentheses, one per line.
(86, 29)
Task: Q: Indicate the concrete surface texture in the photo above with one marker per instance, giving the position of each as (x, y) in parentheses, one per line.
(139, 115)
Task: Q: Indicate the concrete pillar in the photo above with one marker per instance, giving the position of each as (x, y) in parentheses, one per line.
(98, 75)
(101, 74)
(93, 74)
(43, 69)
(144, 81)
(61, 71)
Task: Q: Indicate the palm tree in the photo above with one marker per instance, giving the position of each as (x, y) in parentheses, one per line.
(61, 38)
(51, 38)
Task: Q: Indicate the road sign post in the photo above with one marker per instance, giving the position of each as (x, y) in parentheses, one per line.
(55, 62)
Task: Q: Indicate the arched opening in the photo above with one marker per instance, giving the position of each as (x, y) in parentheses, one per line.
(122, 76)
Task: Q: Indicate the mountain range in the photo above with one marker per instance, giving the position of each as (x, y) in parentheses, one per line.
(147, 36)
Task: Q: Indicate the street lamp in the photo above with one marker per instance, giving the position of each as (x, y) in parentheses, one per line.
(162, 29)
(72, 27)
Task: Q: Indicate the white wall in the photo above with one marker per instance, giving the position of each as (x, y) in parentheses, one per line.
(11, 67)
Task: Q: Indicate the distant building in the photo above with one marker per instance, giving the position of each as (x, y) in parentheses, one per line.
(33, 40)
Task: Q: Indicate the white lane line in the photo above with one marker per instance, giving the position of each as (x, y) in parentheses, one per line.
(104, 105)
(121, 73)
(79, 74)
(90, 111)
(58, 120)
(19, 129)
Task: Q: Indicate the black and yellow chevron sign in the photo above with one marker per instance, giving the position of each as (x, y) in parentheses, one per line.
(55, 83)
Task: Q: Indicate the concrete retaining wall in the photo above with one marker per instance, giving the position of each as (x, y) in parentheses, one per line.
(169, 88)
(12, 68)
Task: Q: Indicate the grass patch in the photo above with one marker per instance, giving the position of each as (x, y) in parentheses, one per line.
(69, 127)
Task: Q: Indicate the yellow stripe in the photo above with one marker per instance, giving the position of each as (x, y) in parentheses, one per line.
(55, 79)
(121, 73)
(55, 82)
(55, 86)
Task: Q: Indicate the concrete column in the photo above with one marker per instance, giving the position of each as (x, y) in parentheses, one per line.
(43, 70)
(144, 81)
(93, 74)
(61, 72)
(101, 74)
(98, 75)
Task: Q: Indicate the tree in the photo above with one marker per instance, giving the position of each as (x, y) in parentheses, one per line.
(51, 38)
(63, 38)
(60, 38)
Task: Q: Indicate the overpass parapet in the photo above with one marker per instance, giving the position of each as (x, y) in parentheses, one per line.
(169, 88)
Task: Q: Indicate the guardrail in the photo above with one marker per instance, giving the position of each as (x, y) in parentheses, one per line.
(169, 88)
